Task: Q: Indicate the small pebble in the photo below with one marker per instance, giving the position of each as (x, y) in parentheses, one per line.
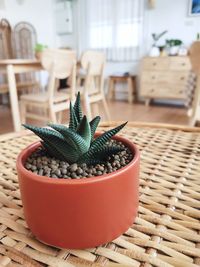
(64, 170)
(73, 167)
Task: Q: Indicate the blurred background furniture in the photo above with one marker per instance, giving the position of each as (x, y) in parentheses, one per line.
(10, 67)
(194, 54)
(60, 64)
(194, 112)
(164, 77)
(24, 41)
(5, 51)
(19, 44)
(93, 64)
(130, 80)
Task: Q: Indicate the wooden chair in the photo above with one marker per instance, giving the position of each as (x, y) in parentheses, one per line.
(5, 50)
(24, 41)
(194, 54)
(25, 82)
(60, 64)
(93, 64)
(195, 110)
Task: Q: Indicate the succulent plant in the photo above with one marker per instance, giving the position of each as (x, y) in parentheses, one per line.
(77, 143)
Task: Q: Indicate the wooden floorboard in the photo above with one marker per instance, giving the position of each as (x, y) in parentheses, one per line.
(119, 110)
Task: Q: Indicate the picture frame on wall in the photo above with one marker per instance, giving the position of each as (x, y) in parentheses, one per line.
(194, 7)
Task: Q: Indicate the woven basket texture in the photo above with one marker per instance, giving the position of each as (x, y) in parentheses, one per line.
(166, 232)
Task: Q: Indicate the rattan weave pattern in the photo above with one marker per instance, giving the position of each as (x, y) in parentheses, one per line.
(166, 232)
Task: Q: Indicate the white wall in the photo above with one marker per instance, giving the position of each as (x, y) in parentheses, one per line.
(38, 12)
(172, 15)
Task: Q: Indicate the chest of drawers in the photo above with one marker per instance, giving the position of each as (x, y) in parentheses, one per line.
(164, 77)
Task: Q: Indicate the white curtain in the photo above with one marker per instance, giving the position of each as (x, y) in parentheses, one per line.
(115, 27)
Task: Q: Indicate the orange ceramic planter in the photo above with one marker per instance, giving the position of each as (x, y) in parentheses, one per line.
(79, 213)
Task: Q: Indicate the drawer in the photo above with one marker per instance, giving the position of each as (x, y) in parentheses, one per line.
(180, 63)
(164, 77)
(178, 77)
(153, 90)
(159, 63)
(179, 91)
(164, 90)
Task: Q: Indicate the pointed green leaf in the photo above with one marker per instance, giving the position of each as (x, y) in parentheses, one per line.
(93, 125)
(72, 138)
(56, 141)
(84, 130)
(52, 151)
(73, 122)
(101, 154)
(77, 108)
(102, 139)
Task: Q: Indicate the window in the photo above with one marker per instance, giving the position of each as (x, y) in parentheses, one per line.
(115, 27)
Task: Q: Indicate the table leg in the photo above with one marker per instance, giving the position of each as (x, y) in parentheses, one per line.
(111, 89)
(130, 90)
(13, 98)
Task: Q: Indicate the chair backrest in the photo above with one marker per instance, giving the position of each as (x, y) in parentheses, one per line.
(60, 64)
(5, 46)
(93, 63)
(5, 39)
(24, 40)
(194, 54)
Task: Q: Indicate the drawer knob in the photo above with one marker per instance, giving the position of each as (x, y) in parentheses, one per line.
(153, 77)
(182, 78)
(183, 64)
(154, 63)
(152, 90)
(181, 91)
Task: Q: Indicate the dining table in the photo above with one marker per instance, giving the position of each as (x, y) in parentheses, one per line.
(166, 231)
(11, 67)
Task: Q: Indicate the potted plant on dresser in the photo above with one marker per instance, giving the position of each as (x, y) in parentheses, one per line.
(79, 188)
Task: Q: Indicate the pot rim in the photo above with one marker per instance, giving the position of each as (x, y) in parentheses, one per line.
(45, 179)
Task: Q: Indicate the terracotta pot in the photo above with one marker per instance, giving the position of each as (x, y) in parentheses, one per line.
(79, 213)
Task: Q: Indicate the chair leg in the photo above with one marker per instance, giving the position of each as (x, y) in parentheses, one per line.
(87, 106)
(59, 116)
(111, 89)
(52, 115)
(106, 109)
(95, 109)
(23, 112)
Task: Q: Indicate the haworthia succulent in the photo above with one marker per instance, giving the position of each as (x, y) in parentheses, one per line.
(84, 130)
(71, 137)
(93, 125)
(73, 122)
(101, 153)
(102, 139)
(77, 108)
(76, 143)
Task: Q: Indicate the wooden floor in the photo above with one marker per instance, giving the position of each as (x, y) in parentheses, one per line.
(119, 111)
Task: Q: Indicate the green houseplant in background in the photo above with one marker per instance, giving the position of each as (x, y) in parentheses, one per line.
(173, 45)
(84, 184)
(39, 48)
(155, 50)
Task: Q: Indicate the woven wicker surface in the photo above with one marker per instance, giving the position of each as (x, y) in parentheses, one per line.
(166, 231)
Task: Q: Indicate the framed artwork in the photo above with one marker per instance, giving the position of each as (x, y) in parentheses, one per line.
(194, 8)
